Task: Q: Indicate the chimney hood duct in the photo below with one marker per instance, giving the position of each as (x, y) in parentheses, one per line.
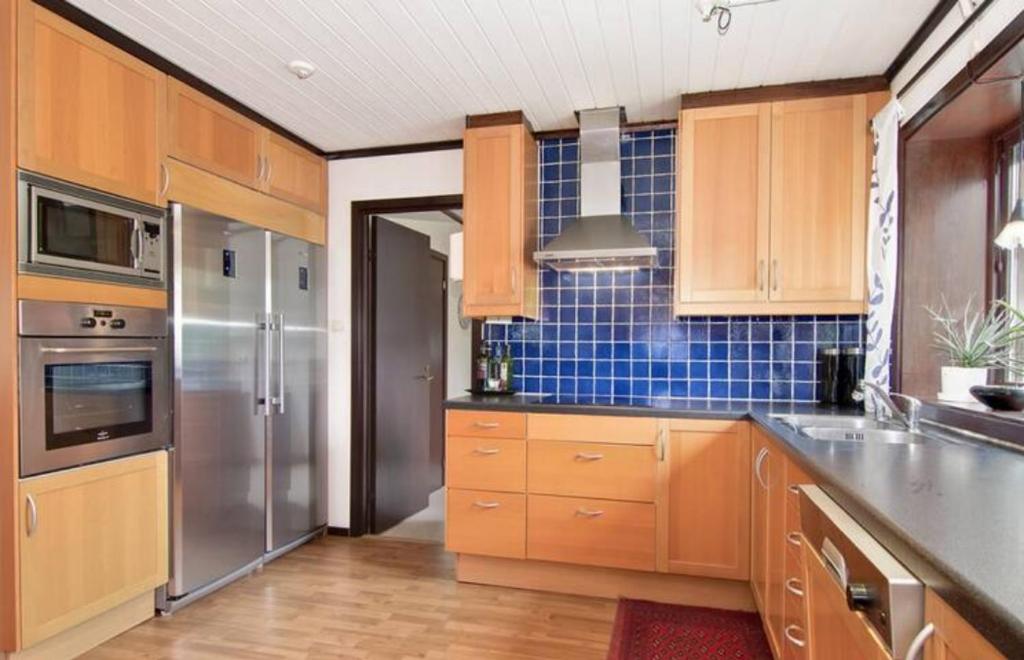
(601, 238)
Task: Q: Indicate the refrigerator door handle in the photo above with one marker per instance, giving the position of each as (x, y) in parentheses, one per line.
(280, 363)
(263, 322)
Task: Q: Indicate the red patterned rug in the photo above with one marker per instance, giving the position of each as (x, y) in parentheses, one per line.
(655, 631)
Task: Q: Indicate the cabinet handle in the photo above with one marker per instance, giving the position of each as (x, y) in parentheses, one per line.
(588, 456)
(775, 274)
(794, 488)
(486, 425)
(31, 515)
(486, 505)
(795, 587)
(165, 180)
(259, 168)
(793, 538)
(790, 633)
(917, 644)
(761, 455)
(270, 168)
(760, 275)
(662, 444)
(589, 513)
(486, 451)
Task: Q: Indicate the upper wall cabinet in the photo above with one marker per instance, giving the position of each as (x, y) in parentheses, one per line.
(211, 136)
(772, 210)
(500, 221)
(294, 174)
(87, 112)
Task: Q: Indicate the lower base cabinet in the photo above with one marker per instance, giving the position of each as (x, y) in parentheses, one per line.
(953, 638)
(487, 523)
(90, 539)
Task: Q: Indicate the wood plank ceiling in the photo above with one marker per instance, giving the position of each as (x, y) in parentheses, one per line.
(405, 71)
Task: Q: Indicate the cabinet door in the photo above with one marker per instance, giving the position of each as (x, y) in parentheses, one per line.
(294, 174)
(213, 137)
(759, 520)
(774, 473)
(87, 112)
(818, 199)
(90, 539)
(954, 638)
(709, 503)
(722, 220)
(499, 221)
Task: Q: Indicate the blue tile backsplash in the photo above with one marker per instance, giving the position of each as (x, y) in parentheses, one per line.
(613, 334)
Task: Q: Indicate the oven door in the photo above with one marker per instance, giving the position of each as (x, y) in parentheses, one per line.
(88, 400)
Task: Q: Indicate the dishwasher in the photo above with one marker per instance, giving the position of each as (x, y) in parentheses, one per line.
(861, 602)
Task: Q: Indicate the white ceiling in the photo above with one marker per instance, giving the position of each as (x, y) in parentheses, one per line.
(406, 71)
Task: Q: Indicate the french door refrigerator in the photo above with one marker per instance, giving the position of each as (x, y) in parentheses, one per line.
(248, 471)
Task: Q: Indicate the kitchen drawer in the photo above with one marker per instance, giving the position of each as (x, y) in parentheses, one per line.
(486, 463)
(594, 428)
(580, 469)
(486, 423)
(594, 532)
(795, 476)
(481, 522)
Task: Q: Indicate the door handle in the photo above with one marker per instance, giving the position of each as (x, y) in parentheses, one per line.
(31, 515)
(280, 363)
(761, 455)
(135, 247)
(426, 375)
(917, 644)
(263, 390)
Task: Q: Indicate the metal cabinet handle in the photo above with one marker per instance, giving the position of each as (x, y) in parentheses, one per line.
(31, 515)
(260, 168)
(793, 538)
(486, 451)
(760, 275)
(662, 444)
(588, 456)
(165, 180)
(486, 425)
(486, 505)
(761, 455)
(791, 635)
(270, 168)
(775, 274)
(795, 587)
(97, 349)
(589, 513)
(917, 644)
(794, 488)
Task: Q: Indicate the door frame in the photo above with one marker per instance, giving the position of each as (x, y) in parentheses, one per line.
(364, 367)
(443, 258)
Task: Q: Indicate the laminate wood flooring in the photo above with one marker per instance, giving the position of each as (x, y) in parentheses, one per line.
(371, 598)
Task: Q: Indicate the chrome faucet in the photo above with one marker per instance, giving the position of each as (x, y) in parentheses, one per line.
(909, 415)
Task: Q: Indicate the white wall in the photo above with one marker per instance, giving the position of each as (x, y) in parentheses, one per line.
(997, 16)
(382, 177)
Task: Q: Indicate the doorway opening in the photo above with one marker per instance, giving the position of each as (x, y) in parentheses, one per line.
(410, 351)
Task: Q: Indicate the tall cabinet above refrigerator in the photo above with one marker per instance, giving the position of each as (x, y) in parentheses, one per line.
(248, 472)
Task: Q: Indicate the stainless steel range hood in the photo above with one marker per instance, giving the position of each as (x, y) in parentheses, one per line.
(602, 238)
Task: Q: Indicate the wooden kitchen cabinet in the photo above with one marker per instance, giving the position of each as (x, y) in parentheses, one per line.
(209, 135)
(954, 638)
(768, 539)
(295, 174)
(500, 221)
(709, 499)
(90, 538)
(87, 112)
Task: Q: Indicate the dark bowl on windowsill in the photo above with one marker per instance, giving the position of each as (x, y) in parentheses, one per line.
(1000, 397)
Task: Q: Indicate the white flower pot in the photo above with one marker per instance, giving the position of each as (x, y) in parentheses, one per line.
(958, 381)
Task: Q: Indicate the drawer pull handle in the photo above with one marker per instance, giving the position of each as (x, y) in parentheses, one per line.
(486, 505)
(486, 425)
(588, 456)
(794, 488)
(486, 451)
(589, 513)
(794, 539)
(791, 634)
(32, 513)
(795, 587)
(917, 644)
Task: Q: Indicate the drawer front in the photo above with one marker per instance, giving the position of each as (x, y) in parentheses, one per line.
(580, 469)
(481, 522)
(594, 532)
(485, 423)
(486, 464)
(594, 428)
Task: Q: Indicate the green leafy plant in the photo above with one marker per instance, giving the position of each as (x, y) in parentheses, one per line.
(974, 339)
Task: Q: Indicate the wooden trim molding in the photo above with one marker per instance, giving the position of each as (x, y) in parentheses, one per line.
(195, 187)
(394, 150)
(36, 287)
(928, 25)
(787, 92)
(498, 119)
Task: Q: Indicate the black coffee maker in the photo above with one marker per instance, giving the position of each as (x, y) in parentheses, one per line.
(840, 371)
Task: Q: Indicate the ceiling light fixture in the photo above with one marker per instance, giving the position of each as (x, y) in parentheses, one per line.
(301, 69)
(722, 10)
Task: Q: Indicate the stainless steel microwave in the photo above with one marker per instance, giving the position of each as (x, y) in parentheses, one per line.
(71, 231)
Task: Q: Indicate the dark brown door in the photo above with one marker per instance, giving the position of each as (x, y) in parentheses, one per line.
(405, 292)
(438, 339)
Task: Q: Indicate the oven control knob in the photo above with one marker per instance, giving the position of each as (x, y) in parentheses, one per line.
(88, 322)
(860, 596)
(117, 324)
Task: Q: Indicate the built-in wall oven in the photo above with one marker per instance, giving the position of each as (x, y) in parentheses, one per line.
(71, 231)
(94, 383)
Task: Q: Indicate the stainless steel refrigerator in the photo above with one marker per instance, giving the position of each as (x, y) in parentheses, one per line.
(248, 470)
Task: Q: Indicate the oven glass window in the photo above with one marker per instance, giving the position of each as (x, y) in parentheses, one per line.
(78, 232)
(94, 402)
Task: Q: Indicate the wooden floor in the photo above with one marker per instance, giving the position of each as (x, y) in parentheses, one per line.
(371, 598)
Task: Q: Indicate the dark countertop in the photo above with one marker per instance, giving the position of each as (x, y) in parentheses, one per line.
(952, 513)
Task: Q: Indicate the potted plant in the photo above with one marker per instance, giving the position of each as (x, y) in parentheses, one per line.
(973, 343)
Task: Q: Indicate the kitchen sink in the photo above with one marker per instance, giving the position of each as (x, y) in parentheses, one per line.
(799, 422)
(885, 436)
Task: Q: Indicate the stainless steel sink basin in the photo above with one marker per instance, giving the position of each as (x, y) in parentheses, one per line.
(832, 421)
(885, 436)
